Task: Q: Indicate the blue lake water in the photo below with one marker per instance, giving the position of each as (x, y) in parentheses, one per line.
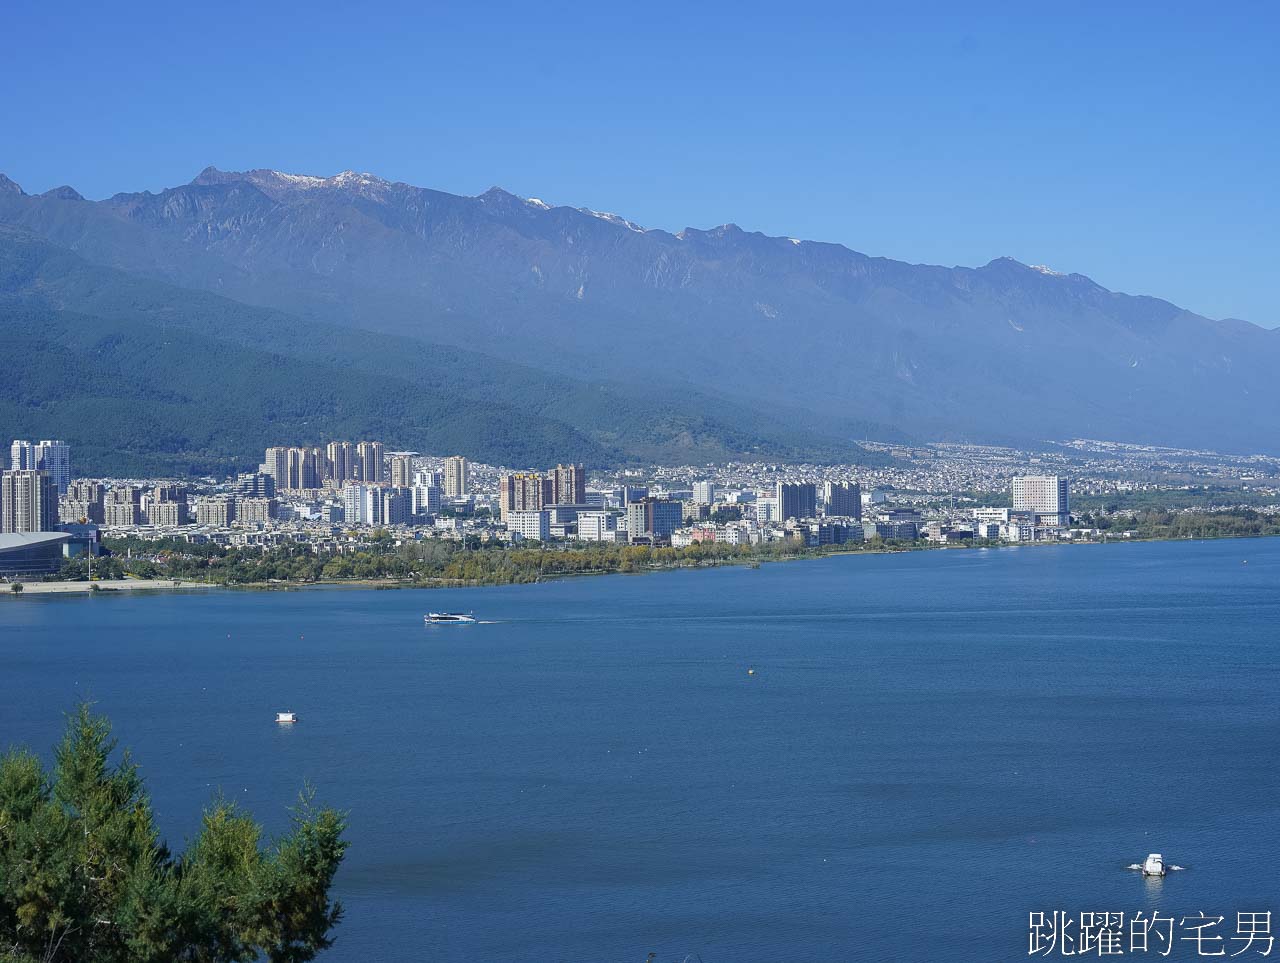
(932, 745)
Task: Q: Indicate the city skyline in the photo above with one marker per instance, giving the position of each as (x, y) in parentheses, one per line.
(314, 492)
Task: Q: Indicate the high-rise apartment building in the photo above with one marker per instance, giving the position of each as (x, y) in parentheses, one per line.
(426, 499)
(456, 482)
(370, 454)
(704, 492)
(22, 456)
(842, 499)
(401, 471)
(302, 468)
(523, 492)
(28, 502)
(397, 505)
(568, 485)
(353, 504)
(51, 457)
(798, 500)
(54, 459)
(276, 464)
(340, 461)
(377, 505)
(1048, 497)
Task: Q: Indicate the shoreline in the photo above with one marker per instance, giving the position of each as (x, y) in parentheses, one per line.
(397, 584)
(105, 585)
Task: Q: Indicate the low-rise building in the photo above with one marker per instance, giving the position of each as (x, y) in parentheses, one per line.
(29, 554)
(830, 533)
(597, 526)
(695, 511)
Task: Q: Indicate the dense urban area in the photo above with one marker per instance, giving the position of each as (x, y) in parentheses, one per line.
(357, 511)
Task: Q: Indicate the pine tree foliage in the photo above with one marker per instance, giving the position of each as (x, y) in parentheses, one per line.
(85, 877)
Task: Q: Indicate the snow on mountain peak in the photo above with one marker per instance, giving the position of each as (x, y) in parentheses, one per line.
(281, 183)
(614, 219)
(357, 179)
(304, 181)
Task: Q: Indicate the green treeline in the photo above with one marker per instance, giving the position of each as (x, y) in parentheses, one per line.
(434, 562)
(1161, 524)
(428, 561)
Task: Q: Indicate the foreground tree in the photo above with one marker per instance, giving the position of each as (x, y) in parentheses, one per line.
(84, 877)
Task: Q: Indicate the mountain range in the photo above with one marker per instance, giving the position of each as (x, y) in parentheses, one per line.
(703, 343)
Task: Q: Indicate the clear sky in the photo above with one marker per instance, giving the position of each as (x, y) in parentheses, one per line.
(1135, 142)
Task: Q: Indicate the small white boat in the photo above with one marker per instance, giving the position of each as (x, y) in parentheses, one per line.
(440, 618)
(286, 717)
(1154, 865)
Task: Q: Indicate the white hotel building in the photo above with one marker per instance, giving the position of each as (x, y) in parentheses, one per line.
(1045, 496)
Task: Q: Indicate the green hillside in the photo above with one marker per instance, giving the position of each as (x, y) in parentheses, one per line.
(146, 378)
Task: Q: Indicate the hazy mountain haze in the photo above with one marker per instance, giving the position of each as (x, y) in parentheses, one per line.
(1000, 352)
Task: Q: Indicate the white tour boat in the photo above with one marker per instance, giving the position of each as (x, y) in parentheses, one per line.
(1154, 865)
(286, 717)
(437, 618)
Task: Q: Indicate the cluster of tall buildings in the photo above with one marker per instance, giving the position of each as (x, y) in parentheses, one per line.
(339, 462)
(362, 484)
(31, 542)
(801, 500)
(533, 491)
(405, 493)
(51, 457)
(38, 474)
(365, 485)
(374, 489)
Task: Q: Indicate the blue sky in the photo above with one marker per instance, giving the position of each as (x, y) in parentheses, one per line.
(1137, 143)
